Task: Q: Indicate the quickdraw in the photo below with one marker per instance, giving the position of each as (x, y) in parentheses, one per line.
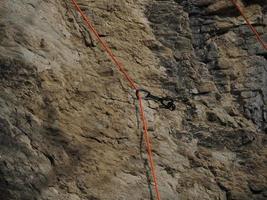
(166, 102)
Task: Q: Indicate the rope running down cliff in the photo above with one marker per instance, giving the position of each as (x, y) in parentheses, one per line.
(258, 37)
(133, 86)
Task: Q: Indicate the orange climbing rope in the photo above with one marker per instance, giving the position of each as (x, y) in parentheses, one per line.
(260, 40)
(133, 86)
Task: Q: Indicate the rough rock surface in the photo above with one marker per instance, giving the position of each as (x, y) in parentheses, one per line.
(69, 126)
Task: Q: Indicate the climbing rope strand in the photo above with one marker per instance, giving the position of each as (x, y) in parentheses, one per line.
(260, 40)
(148, 145)
(134, 86)
(104, 45)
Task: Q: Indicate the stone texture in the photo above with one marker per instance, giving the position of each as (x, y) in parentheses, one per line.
(69, 126)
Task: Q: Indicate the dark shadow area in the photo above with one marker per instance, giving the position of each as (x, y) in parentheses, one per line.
(20, 174)
(250, 2)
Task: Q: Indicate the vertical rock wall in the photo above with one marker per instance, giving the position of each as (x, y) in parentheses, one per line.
(69, 126)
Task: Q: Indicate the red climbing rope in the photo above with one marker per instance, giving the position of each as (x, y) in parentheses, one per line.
(133, 86)
(260, 40)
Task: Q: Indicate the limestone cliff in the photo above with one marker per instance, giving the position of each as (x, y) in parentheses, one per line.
(69, 126)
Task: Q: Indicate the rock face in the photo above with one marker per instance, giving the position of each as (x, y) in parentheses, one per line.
(69, 126)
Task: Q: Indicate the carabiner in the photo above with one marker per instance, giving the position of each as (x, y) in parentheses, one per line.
(166, 102)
